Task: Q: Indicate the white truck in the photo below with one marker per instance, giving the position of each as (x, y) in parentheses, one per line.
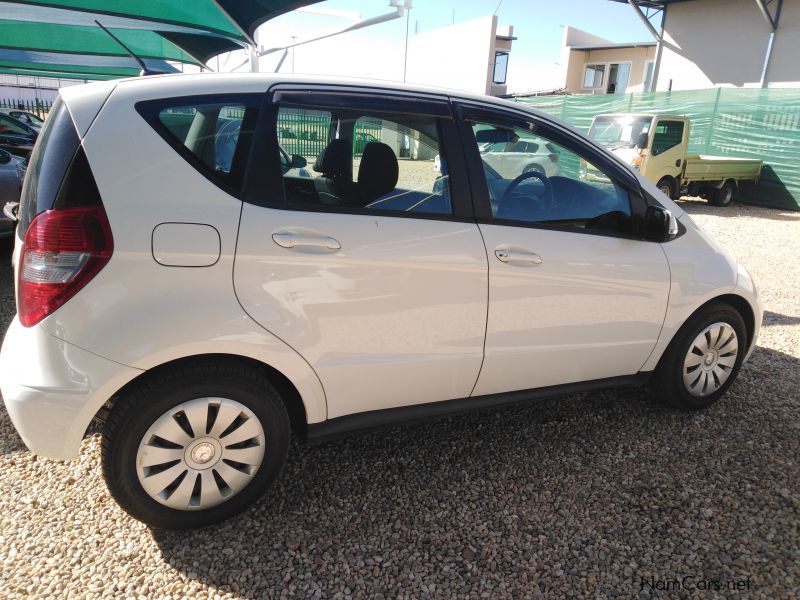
(657, 145)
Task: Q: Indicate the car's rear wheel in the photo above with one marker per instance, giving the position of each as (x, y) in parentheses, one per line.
(195, 445)
(724, 195)
(703, 359)
(533, 168)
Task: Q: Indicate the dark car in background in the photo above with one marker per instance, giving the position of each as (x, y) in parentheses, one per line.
(28, 118)
(12, 173)
(16, 137)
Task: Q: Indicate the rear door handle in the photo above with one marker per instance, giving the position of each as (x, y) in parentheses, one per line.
(515, 256)
(295, 240)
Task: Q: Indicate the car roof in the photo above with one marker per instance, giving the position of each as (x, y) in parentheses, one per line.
(200, 83)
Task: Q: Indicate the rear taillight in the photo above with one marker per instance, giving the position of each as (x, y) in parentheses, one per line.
(62, 251)
(553, 157)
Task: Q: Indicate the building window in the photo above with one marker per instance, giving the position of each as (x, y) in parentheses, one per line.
(618, 76)
(500, 68)
(648, 75)
(593, 77)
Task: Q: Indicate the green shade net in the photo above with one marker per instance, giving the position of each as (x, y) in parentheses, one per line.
(196, 14)
(233, 19)
(65, 75)
(80, 71)
(746, 123)
(249, 14)
(51, 37)
(190, 31)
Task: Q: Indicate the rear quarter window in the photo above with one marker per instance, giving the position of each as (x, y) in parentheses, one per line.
(47, 165)
(212, 133)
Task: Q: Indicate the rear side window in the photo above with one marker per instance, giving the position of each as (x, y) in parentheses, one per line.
(211, 133)
(360, 160)
(48, 163)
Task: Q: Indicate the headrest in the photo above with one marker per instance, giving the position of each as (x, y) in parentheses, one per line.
(335, 160)
(378, 172)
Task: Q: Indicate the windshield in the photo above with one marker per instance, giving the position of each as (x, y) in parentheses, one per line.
(620, 131)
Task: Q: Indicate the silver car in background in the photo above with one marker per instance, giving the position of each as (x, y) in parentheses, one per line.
(510, 159)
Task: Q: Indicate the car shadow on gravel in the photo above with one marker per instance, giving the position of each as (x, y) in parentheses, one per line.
(498, 492)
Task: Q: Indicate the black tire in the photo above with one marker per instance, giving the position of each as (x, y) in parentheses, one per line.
(667, 382)
(724, 195)
(140, 406)
(668, 186)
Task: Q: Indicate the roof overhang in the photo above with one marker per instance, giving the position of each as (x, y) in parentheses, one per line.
(589, 48)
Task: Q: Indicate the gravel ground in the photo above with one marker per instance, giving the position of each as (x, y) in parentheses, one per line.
(578, 497)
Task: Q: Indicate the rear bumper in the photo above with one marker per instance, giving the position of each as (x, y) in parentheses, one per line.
(53, 389)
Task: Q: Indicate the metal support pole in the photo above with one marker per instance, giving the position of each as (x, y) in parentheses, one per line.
(405, 53)
(658, 35)
(767, 57)
(253, 51)
(772, 21)
(646, 21)
(765, 13)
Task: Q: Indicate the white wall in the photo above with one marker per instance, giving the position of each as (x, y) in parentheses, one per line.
(23, 88)
(712, 43)
(459, 57)
(573, 36)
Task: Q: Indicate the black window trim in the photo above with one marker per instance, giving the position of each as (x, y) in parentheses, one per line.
(150, 110)
(265, 184)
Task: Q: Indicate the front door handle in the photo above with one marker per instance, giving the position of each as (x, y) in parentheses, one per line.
(507, 255)
(295, 240)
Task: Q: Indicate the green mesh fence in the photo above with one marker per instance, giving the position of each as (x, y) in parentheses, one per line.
(749, 123)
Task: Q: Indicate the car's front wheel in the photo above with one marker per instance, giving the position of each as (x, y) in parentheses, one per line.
(703, 359)
(194, 445)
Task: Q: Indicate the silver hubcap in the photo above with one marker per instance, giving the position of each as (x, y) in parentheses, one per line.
(200, 453)
(710, 359)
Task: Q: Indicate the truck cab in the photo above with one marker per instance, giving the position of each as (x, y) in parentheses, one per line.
(657, 146)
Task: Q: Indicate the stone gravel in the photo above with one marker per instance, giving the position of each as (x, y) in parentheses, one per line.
(584, 496)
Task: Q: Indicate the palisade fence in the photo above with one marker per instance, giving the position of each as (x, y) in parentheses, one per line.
(37, 107)
(306, 132)
(748, 123)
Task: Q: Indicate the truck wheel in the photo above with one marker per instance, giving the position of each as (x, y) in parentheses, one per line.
(724, 195)
(668, 185)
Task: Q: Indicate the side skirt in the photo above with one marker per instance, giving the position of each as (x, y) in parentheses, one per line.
(405, 415)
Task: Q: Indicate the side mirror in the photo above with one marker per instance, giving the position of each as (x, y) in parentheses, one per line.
(11, 211)
(643, 140)
(5, 157)
(298, 162)
(659, 225)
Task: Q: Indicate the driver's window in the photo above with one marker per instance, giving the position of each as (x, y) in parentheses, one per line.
(532, 179)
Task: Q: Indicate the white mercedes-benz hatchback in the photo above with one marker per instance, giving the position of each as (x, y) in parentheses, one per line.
(208, 262)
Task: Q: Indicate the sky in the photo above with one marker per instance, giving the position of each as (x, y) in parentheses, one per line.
(378, 51)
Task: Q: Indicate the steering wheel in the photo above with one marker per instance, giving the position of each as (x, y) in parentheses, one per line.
(547, 193)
